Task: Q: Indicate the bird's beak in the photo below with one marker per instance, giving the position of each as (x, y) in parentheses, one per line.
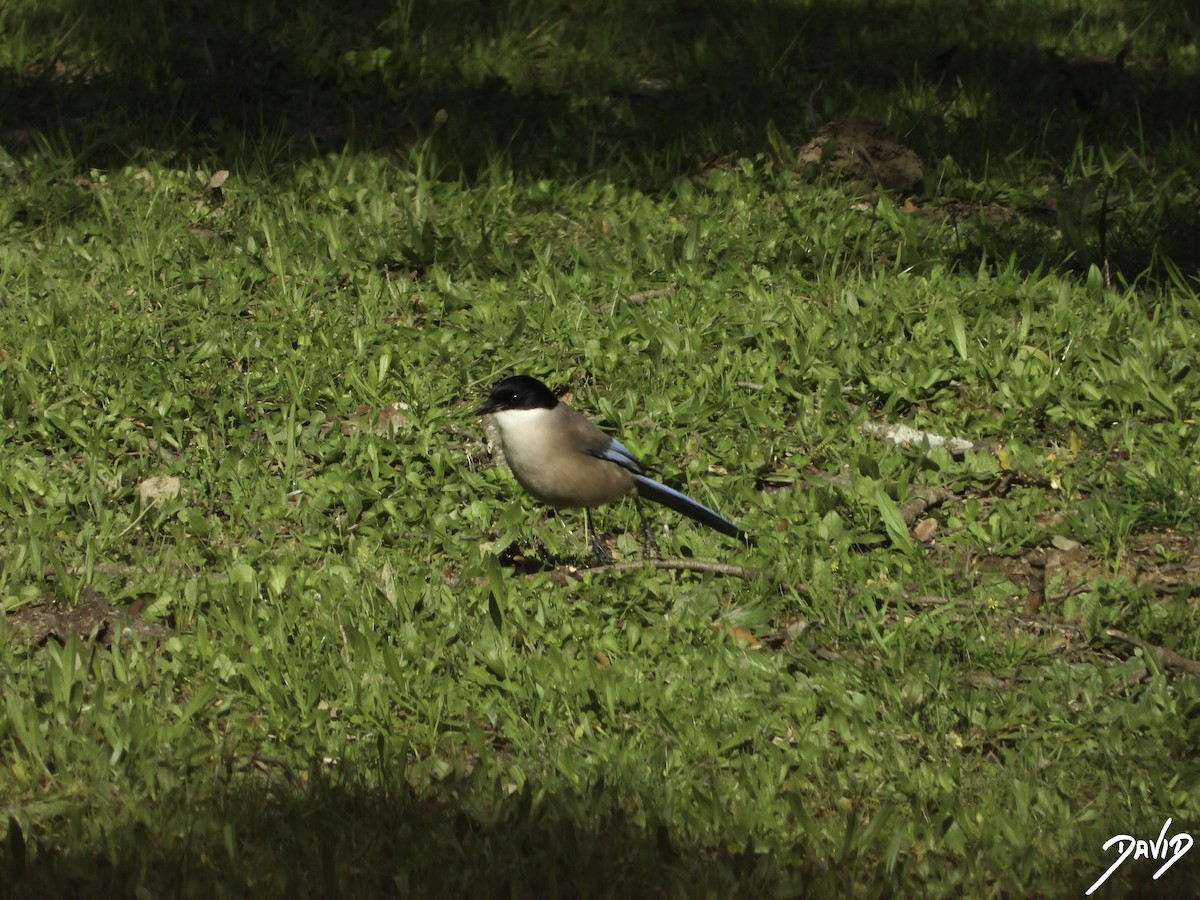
(487, 406)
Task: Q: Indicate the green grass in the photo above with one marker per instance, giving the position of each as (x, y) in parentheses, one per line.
(383, 675)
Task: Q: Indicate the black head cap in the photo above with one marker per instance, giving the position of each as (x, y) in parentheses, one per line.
(517, 392)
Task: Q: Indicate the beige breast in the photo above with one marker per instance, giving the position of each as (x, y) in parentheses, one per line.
(543, 449)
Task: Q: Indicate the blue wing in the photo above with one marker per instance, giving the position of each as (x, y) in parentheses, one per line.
(616, 452)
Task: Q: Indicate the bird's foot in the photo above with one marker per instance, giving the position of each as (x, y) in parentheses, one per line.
(600, 554)
(649, 547)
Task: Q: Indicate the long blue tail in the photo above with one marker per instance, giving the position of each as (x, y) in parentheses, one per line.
(681, 503)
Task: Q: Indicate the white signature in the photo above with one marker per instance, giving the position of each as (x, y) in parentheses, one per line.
(1127, 845)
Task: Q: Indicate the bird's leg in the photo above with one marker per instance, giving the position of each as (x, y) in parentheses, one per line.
(649, 550)
(600, 554)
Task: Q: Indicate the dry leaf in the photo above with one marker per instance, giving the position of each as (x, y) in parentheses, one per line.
(159, 487)
(742, 636)
(926, 529)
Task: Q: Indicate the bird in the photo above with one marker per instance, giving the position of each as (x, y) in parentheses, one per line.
(565, 461)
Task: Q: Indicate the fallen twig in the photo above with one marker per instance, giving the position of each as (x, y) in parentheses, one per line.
(652, 294)
(1037, 584)
(683, 565)
(920, 503)
(110, 571)
(1004, 485)
(1168, 659)
(927, 600)
(1065, 595)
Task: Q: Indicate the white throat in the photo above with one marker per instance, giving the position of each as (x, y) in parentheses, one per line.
(519, 427)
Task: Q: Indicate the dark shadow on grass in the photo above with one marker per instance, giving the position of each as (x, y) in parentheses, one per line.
(574, 88)
(631, 91)
(327, 840)
(640, 92)
(331, 841)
